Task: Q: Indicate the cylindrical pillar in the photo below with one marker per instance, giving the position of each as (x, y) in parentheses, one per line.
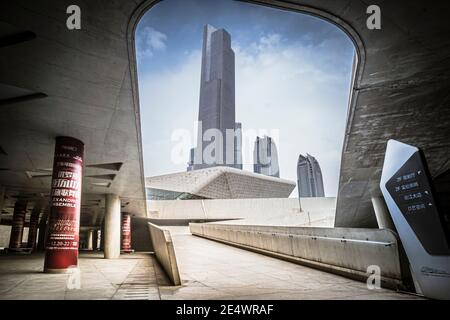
(126, 232)
(95, 240)
(18, 222)
(33, 228)
(90, 240)
(42, 232)
(2, 200)
(112, 227)
(61, 252)
(382, 215)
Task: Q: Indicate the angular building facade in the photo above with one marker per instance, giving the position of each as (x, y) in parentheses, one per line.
(309, 177)
(217, 104)
(265, 157)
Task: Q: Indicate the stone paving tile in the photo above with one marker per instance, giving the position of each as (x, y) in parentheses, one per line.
(21, 277)
(209, 270)
(212, 270)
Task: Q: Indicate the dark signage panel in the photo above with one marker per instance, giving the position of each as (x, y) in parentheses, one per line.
(412, 192)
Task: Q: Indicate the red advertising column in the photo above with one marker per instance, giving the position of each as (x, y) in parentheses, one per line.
(61, 250)
(32, 231)
(126, 233)
(18, 222)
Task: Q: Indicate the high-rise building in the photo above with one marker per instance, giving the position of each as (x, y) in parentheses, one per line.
(191, 160)
(217, 104)
(309, 177)
(265, 157)
(238, 145)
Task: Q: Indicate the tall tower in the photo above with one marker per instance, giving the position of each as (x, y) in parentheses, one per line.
(309, 177)
(217, 103)
(265, 157)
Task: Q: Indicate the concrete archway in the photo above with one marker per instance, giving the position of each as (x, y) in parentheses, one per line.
(392, 64)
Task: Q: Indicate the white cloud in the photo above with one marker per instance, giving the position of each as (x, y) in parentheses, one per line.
(149, 41)
(279, 85)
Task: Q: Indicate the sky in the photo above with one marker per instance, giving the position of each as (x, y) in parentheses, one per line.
(293, 74)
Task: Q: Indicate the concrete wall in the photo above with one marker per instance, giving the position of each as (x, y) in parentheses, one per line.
(140, 237)
(273, 211)
(343, 251)
(165, 252)
(5, 232)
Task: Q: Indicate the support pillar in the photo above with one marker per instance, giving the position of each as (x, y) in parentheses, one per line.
(2, 200)
(18, 222)
(42, 232)
(90, 240)
(99, 239)
(126, 233)
(112, 227)
(61, 252)
(382, 214)
(33, 228)
(95, 240)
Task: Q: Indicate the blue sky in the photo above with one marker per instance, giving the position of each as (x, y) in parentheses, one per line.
(293, 76)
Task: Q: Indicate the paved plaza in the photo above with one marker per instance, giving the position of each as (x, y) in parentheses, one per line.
(209, 270)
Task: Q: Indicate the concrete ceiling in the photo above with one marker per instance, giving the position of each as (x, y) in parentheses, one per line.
(82, 83)
(84, 77)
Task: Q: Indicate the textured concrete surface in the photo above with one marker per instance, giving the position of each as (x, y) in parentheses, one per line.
(345, 251)
(165, 253)
(223, 183)
(400, 92)
(273, 211)
(211, 270)
(133, 276)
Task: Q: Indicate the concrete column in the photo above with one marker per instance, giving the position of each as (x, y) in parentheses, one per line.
(2, 200)
(102, 236)
(18, 222)
(98, 239)
(382, 214)
(112, 227)
(126, 232)
(42, 232)
(61, 251)
(90, 240)
(33, 227)
(94, 240)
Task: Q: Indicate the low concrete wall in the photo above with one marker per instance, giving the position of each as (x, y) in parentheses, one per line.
(140, 237)
(273, 211)
(344, 251)
(5, 232)
(165, 252)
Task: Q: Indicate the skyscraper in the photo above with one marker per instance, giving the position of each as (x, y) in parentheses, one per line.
(309, 177)
(265, 157)
(217, 104)
(191, 160)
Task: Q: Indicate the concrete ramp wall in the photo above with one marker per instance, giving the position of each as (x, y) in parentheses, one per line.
(165, 252)
(270, 211)
(343, 251)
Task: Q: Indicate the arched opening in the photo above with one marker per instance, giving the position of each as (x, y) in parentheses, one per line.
(152, 91)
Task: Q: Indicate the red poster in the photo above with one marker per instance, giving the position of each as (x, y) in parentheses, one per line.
(126, 232)
(64, 221)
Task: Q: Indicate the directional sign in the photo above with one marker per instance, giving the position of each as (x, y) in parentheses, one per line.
(407, 188)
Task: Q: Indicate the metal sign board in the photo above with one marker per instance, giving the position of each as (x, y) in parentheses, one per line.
(407, 189)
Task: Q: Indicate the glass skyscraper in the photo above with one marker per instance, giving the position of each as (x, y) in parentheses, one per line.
(309, 177)
(265, 157)
(217, 104)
